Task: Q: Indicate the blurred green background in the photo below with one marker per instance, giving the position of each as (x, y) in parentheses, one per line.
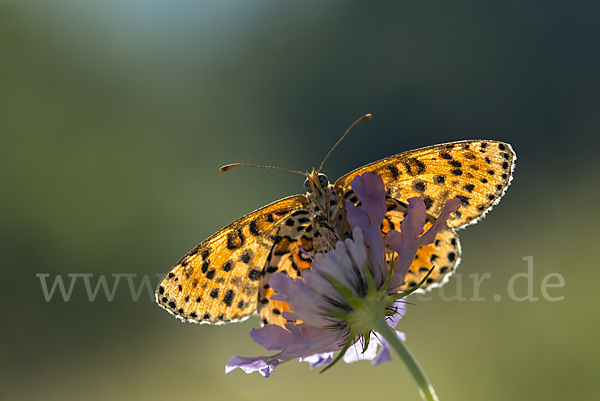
(116, 115)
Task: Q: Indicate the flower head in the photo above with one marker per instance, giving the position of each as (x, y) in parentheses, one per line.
(339, 304)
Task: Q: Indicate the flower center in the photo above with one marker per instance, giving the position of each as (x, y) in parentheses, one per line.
(371, 307)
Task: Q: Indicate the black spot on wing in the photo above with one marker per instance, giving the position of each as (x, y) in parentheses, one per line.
(414, 166)
(394, 171)
(228, 297)
(235, 240)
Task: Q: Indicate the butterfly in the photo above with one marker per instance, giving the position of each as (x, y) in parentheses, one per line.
(226, 277)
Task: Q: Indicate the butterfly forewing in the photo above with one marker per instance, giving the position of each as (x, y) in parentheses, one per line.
(218, 281)
(477, 172)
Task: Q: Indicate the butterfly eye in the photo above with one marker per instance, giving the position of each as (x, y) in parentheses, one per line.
(323, 180)
(307, 186)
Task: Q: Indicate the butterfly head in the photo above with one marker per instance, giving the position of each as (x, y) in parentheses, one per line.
(316, 184)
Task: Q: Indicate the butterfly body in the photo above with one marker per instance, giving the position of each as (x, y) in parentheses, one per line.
(226, 277)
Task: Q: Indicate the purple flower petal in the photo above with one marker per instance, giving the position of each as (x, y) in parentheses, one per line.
(370, 190)
(400, 306)
(412, 225)
(297, 292)
(303, 299)
(355, 351)
(383, 355)
(318, 359)
(406, 242)
(372, 237)
(450, 207)
(357, 217)
(297, 340)
(262, 364)
(337, 263)
(346, 263)
(272, 337)
(384, 352)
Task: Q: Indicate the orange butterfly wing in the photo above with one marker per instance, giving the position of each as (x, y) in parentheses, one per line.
(218, 281)
(478, 172)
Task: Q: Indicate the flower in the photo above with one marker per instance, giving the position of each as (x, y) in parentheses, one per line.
(350, 293)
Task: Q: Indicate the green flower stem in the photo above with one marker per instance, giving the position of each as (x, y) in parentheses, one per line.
(425, 388)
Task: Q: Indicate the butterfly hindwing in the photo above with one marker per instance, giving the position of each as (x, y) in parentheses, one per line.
(286, 256)
(218, 281)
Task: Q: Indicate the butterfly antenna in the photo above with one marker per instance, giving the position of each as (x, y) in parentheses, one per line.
(366, 117)
(230, 166)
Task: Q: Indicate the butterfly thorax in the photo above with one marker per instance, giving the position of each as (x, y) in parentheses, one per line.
(327, 208)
